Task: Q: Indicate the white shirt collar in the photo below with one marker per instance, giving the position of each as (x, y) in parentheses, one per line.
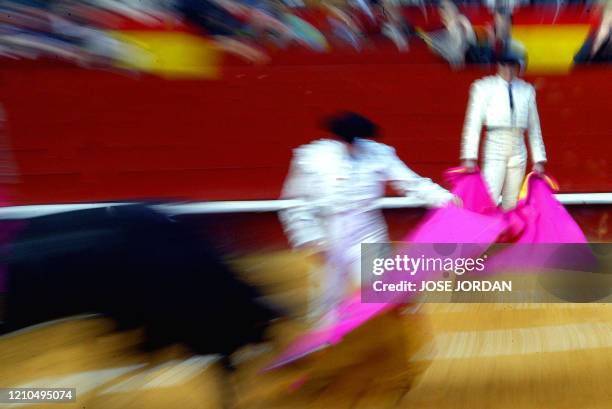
(499, 77)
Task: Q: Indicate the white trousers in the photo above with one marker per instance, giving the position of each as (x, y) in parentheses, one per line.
(343, 254)
(504, 163)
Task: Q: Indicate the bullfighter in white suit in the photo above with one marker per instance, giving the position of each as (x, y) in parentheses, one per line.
(506, 106)
(338, 182)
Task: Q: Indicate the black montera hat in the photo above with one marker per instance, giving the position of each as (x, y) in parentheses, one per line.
(350, 125)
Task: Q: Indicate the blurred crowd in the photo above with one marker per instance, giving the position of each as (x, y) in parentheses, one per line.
(78, 30)
(64, 29)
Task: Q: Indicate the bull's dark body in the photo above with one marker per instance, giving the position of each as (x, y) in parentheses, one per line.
(138, 267)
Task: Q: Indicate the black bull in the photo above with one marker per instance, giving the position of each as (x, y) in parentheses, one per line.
(138, 267)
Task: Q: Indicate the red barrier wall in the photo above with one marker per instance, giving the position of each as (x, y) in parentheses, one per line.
(88, 135)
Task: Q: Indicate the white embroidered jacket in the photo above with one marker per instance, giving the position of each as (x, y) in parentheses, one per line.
(329, 182)
(489, 106)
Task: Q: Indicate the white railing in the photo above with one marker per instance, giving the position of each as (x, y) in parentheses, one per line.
(257, 206)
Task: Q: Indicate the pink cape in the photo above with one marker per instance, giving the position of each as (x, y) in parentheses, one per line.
(538, 218)
(546, 220)
(478, 221)
(449, 224)
(548, 237)
(451, 231)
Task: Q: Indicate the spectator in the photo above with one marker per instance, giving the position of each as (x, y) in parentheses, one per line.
(25, 31)
(457, 36)
(598, 46)
(224, 20)
(341, 24)
(394, 25)
(500, 38)
(507, 4)
(71, 22)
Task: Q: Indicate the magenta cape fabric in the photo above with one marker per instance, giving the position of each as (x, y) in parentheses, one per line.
(545, 219)
(477, 222)
(546, 236)
(352, 313)
(538, 218)
(449, 232)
